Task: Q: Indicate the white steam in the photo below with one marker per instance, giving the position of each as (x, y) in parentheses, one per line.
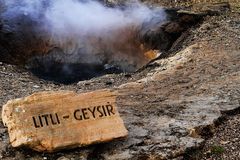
(90, 17)
(87, 27)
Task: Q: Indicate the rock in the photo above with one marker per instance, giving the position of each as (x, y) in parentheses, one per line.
(36, 86)
(63, 158)
(49, 121)
(84, 83)
(224, 142)
(161, 36)
(211, 8)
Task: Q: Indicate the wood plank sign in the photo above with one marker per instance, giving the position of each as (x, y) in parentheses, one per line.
(49, 121)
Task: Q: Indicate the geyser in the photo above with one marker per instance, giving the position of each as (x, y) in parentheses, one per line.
(72, 40)
(87, 34)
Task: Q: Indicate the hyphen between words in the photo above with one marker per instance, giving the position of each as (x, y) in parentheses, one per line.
(78, 114)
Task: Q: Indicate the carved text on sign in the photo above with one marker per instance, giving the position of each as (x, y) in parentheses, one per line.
(95, 112)
(48, 121)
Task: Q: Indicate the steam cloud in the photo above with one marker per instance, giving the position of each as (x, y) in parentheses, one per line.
(88, 31)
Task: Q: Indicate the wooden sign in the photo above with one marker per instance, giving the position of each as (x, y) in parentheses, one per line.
(49, 121)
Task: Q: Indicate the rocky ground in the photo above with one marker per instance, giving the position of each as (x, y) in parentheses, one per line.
(184, 106)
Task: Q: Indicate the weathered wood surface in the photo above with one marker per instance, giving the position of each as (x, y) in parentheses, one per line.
(48, 121)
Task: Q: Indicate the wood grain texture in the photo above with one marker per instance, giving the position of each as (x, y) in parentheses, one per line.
(49, 121)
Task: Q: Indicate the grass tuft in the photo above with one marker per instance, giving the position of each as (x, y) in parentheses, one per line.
(217, 149)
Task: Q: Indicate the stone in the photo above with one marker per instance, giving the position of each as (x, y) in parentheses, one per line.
(63, 158)
(211, 8)
(36, 86)
(49, 121)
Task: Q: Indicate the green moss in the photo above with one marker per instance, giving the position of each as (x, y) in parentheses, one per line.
(217, 149)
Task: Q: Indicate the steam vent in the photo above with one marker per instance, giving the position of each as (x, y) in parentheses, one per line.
(119, 80)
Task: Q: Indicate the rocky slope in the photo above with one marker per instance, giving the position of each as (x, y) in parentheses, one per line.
(170, 107)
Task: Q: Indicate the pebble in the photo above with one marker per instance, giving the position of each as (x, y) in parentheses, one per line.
(85, 83)
(224, 142)
(36, 86)
(63, 158)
